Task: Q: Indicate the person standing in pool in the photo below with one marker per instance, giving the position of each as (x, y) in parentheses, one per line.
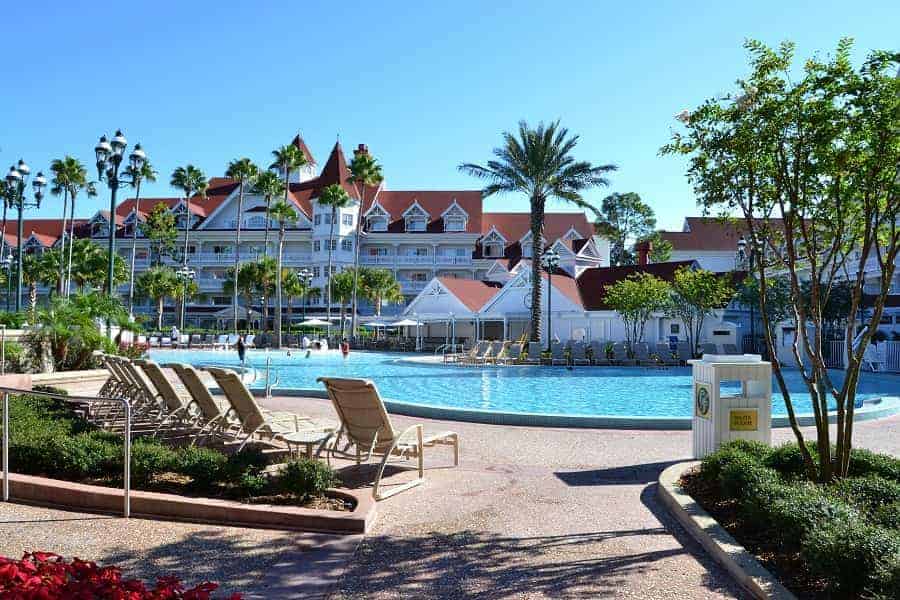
(345, 348)
(241, 348)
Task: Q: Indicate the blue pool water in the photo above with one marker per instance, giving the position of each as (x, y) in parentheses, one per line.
(615, 391)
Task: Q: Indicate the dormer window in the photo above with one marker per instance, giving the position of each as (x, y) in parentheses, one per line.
(415, 218)
(416, 223)
(376, 218)
(493, 245)
(455, 218)
(493, 250)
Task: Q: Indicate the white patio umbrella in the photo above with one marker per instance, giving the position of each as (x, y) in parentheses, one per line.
(314, 323)
(408, 323)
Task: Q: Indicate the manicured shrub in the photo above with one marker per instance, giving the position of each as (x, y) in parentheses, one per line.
(712, 466)
(149, 459)
(89, 454)
(252, 483)
(868, 493)
(248, 460)
(802, 508)
(306, 478)
(788, 461)
(757, 450)
(851, 556)
(739, 475)
(887, 516)
(204, 466)
(865, 462)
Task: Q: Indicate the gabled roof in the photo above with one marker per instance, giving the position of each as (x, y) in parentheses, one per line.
(592, 283)
(514, 226)
(471, 292)
(301, 145)
(396, 202)
(711, 234)
(46, 231)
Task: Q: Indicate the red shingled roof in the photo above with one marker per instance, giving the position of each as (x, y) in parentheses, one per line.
(433, 202)
(514, 226)
(471, 292)
(592, 283)
(710, 234)
(298, 141)
(47, 231)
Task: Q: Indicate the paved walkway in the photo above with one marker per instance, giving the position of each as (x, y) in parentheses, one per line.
(529, 513)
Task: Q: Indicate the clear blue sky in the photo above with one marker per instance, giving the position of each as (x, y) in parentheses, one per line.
(204, 82)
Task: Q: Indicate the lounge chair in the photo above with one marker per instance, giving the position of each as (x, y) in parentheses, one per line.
(511, 354)
(180, 409)
(684, 352)
(490, 353)
(730, 349)
(154, 341)
(221, 342)
(708, 349)
(196, 341)
(250, 340)
(166, 342)
(533, 354)
(642, 355)
(209, 340)
(217, 417)
(598, 354)
(253, 419)
(367, 426)
(664, 353)
(499, 355)
(557, 354)
(579, 354)
(620, 355)
(473, 355)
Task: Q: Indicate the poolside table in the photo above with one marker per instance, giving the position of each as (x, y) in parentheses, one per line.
(307, 438)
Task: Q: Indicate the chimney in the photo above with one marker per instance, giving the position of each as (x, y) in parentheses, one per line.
(643, 251)
(361, 149)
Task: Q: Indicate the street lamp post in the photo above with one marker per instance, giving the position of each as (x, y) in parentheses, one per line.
(6, 265)
(186, 275)
(16, 181)
(305, 276)
(109, 155)
(138, 159)
(550, 261)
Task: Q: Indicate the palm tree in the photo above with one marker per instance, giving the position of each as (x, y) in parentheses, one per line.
(135, 177)
(288, 158)
(69, 177)
(245, 286)
(335, 197)
(245, 172)
(539, 163)
(292, 287)
(365, 172)
(190, 180)
(380, 286)
(268, 185)
(284, 214)
(341, 288)
(264, 278)
(159, 283)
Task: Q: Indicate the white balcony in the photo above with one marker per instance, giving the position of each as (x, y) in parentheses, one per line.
(453, 260)
(376, 260)
(411, 287)
(295, 258)
(412, 259)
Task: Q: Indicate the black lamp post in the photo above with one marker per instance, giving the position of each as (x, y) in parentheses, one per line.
(6, 265)
(109, 155)
(186, 275)
(16, 181)
(550, 261)
(137, 159)
(306, 277)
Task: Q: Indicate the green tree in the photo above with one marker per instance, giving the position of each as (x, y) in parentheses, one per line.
(380, 286)
(191, 181)
(134, 178)
(660, 249)
(69, 178)
(627, 220)
(283, 214)
(695, 295)
(539, 164)
(288, 158)
(37, 270)
(160, 230)
(247, 285)
(341, 285)
(807, 157)
(334, 197)
(777, 302)
(158, 283)
(636, 298)
(365, 172)
(269, 186)
(245, 172)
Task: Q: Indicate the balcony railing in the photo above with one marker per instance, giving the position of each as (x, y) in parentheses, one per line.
(403, 259)
(408, 286)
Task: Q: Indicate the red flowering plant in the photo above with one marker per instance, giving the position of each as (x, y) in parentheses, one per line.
(48, 576)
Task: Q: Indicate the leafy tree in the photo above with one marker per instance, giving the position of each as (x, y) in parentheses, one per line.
(245, 172)
(336, 198)
(777, 304)
(247, 284)
(808, 159)
(380, 286)
(284, 214)
(190, 180)
(288, 158)
(636, 298)
(159, 283)
(269, 186)
(539, 163)
(135, 177)
(835, 306)
(695, 295)
(160, 230)
(628, 220)
(69, 177)
(365, 172)
(342, 290)
(660, 249)
(37, 270)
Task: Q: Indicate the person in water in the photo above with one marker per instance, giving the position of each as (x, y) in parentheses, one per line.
(308, 353)
(345, 348)
(241, 349)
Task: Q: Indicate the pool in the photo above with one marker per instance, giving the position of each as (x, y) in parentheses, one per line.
(621, 392)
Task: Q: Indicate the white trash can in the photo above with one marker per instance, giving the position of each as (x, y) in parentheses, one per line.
(721, 416)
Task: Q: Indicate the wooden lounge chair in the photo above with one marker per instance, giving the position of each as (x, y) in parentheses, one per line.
(620, 355)
(666, 356)
(253, 419)
(367, 426)
(598, 354)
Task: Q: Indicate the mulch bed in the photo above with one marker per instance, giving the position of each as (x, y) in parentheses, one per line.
(787, 566)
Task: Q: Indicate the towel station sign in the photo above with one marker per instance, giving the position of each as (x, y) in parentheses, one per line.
(743, 419)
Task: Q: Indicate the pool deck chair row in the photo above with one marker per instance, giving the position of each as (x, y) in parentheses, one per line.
(366, 425)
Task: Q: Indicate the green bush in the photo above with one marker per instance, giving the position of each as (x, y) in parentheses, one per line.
(149, 459)
(788, 461)
(89, 454)
(887, 516)
(865, 462)
(802, 508)
(252, 483)
(203, 465)
(851, 556)
(712, 466)
(249, 460)
(743, 473)
(868, 493)
(304, 478)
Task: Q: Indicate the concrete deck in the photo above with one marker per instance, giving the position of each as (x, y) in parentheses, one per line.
(529, 513)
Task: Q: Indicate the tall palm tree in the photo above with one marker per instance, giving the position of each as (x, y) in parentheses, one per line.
(268, 185)
(380, 286)
(539, 163)
(158, 283)
(244, 286)
(264, 277)
(190, 180)
(365, 172)
(90, 189)
(245, 172)
(135, 177)
(341, 288)
(69, 176)
(284, 214)
(337, 198)
(288, 158)
(292, 286)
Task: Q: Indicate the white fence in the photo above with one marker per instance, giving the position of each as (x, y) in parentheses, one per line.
(886, 355)
(891, 356)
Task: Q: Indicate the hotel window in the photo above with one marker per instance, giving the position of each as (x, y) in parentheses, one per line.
(493, 250)
(454, 223)
(377, 223)
(378, 251)
(347, 245)
(332, 244)
(419, 252)
(347, 220)
(316, 272)
(418, 277)
(416, 223)
(317, 245)
(317, 220)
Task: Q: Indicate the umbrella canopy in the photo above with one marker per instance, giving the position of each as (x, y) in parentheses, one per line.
(315, 323)
(405, 323)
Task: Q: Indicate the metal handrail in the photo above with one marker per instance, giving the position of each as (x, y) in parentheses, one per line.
(125, 403)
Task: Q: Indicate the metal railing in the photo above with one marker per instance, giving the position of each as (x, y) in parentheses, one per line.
(6, 391)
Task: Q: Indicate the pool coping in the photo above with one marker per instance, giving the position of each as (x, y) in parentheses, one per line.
(875, 408)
